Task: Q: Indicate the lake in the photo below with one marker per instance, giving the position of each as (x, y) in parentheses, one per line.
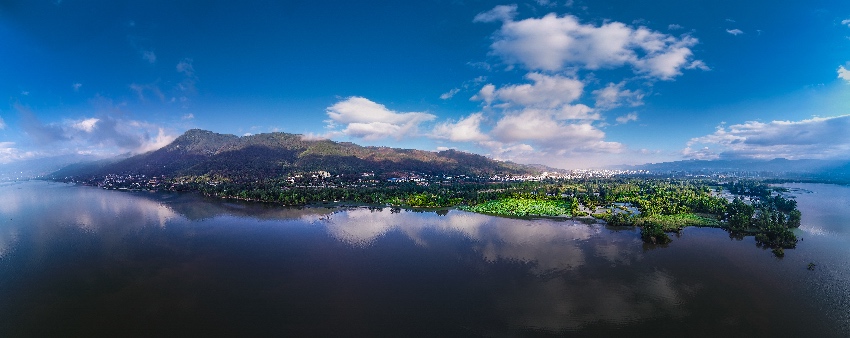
(82, 261)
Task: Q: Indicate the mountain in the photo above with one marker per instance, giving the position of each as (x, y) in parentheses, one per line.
(33, 168)
(199, 152)
(821, 169)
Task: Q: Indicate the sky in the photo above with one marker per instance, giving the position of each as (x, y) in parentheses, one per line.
(570, 84)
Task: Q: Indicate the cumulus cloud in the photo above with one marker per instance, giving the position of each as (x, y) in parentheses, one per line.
(369, 120)
(86, 125)
(843, 73)
(102, 135)
(815, 138)
(846, 22)
(554, 94)
(735, 31)
(10, 153)
(547, 91)
(536, 120)
(615, 95)
(556, 43)
(627, 118)
(464, 130)
(550, 134)
(486, 94)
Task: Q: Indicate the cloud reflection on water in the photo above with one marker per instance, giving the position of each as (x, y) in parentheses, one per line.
(548, 245)
(552, 250)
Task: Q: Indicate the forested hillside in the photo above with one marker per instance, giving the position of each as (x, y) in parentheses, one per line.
(200, 152)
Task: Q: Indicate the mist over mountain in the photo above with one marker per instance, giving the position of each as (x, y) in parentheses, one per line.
(33, 168)
(201, 152)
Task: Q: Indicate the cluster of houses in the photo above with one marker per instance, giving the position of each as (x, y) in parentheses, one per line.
(320, 179)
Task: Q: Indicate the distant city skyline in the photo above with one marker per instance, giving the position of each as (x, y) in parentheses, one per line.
(569, 84)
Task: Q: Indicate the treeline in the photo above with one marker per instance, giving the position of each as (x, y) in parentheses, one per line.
(657, 206)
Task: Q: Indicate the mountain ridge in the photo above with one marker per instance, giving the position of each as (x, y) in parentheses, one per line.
(813, 168)
(203, 152)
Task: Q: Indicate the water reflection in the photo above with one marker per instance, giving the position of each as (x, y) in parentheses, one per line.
(79, 255)
(546, 245)
(558, 305)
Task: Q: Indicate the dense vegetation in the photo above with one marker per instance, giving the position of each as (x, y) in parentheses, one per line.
(657, 206)
(290, 170)
(522, 207)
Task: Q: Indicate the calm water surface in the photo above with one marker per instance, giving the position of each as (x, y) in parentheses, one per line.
(80, 261)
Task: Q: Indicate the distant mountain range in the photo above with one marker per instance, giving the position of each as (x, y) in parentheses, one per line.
(199, 152)
(39, 167)
(821, 169)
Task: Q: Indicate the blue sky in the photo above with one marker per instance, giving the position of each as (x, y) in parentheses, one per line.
(571, 84)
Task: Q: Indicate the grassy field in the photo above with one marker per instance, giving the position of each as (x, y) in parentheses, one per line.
(680, 221)
(521, 207)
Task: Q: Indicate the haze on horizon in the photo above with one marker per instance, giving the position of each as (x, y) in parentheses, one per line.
(569, 84)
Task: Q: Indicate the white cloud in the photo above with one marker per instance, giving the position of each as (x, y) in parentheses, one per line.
(674, 26)
(534, 121)
(188, 116)
(86, 125)
(846, 22)
(149, 56)
(371, 121)
(554, 94)
(554, 43)
(464, 130)
(627, 118)
(161, 139)
(76, 86)
(313, 137)
(486, 94)
(614, 95)
(698, 64)
(734, 31)
(843, 73)
(547, 91)
(539, 127)
(106, 135)
(818, 138)
(9, 153)
(499, 13)
(2, 124)
(449, 94)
